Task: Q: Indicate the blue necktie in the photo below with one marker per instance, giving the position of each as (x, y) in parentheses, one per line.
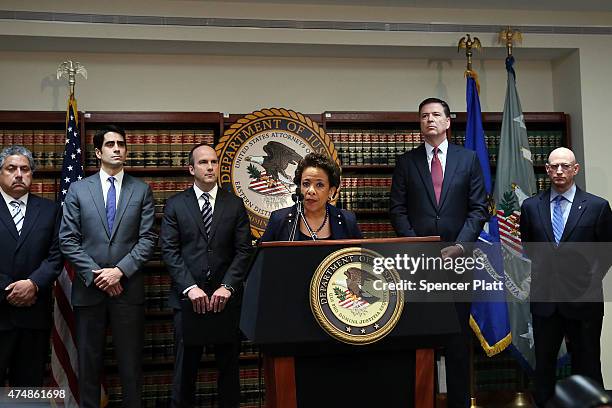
(557, 221)
(207, 213)
(111, 199)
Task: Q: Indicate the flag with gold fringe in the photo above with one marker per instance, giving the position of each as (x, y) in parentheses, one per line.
(489, 316)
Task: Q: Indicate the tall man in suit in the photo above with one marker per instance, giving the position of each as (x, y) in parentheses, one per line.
(31, 261)
(206, 241)
(557, 226)
(438, 189)
(107, 235)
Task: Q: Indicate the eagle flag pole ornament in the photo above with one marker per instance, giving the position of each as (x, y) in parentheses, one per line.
(71, 69)
(467, 43)
(508, 37)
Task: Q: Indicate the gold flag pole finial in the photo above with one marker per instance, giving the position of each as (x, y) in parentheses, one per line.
(509, 37)
(71, 69)
(469, 44)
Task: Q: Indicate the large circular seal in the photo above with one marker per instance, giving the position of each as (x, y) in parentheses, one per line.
(345, 301)
(258, 156)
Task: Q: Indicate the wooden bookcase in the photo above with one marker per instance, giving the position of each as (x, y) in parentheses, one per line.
(158, 142)
(158, 147)
(369, 143)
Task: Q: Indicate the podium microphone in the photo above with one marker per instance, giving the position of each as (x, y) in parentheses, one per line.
(298, 198)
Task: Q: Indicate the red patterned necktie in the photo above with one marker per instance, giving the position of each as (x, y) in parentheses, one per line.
(436, 174)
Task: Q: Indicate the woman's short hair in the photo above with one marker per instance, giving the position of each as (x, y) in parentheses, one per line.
(320, 161)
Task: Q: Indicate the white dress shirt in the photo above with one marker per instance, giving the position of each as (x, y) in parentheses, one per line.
(212, 196)
(106, 185)
(23, 201)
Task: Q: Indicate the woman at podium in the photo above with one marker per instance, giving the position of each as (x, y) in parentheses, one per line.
(313, 217)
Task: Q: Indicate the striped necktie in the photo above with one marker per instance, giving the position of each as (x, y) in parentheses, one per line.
(207, 213)
(17, 215)
(557, 221)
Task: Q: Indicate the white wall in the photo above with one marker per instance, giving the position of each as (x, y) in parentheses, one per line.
(242, 84)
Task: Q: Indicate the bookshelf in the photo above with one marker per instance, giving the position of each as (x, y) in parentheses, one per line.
(383, 136)
(368, 144)
(44, 134)
(158, 147)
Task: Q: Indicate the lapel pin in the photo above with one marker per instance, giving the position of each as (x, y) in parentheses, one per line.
(580, 207)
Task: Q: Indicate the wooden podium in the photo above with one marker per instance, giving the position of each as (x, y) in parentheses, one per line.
(276, 315)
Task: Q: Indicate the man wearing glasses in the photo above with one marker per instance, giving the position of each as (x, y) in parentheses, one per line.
(557, 226)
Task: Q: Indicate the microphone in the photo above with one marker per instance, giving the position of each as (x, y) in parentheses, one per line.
(297, 196)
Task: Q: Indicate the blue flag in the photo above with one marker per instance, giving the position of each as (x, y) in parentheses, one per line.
(489, 317)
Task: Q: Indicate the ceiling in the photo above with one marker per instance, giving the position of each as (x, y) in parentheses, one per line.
(557, 5)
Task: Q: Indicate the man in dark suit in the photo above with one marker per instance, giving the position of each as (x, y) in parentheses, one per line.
(438, 189)
(206, 244)
(31, 261)
(107, 235)
(561, 228)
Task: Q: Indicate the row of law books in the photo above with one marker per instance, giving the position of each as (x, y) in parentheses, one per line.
(165, 187)
(157, 287)
(541, 143)
(157, 388)
(45, 187)
(368, 193)
(158, 342)
(376, 229)
(156, 147)
(159, 345)
(542, 182)
(362, 147)
(47, 145)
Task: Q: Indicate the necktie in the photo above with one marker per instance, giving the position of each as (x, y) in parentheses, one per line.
(557, 221)
(17, 215)
(111, 202)
(207, 213)
(436, 174)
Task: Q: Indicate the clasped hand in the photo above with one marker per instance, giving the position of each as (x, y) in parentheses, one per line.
(202, 304)
(21, 293)
(107, 279)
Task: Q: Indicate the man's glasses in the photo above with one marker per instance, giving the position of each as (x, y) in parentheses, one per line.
(565, 167)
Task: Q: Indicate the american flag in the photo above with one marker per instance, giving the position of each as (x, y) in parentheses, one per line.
(63, 344)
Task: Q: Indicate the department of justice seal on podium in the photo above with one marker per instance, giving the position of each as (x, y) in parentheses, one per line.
(345, 302)
(258, 156)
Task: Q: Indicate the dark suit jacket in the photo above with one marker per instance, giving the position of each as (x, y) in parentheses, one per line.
(32, 255)
(570, 270)
(463, 207)
(343, 224)
(189, 254)
(87, 243)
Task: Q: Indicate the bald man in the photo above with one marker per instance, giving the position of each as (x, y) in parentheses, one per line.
(206, 243)
(562, 271)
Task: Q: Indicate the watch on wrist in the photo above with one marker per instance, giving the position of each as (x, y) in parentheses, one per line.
(228, 287)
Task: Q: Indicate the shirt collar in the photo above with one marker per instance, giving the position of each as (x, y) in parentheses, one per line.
(212, 193)
(568, 195)
(8, 198)
(443, 148)
(118, 177)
